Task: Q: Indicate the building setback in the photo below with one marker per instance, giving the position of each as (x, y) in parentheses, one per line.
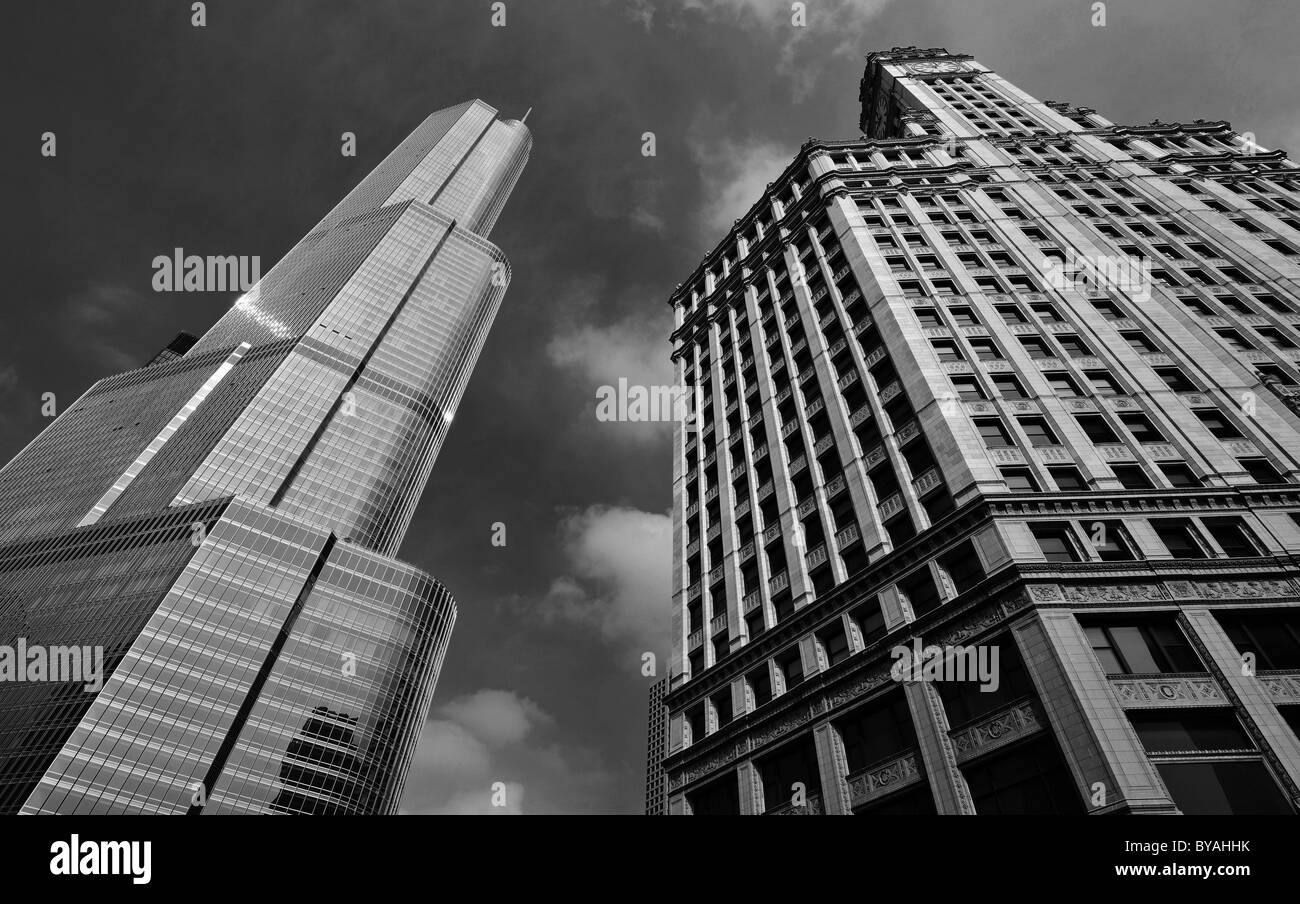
(997, 374)
(223, 521)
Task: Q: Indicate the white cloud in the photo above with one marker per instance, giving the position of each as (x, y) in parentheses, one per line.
(496, 717)
(735, 175)
(459, 757)
(448, 748)
(481, 754)
(620, 563)
(486, 801)
(635, 347)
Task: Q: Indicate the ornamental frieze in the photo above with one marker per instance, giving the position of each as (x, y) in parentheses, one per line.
(1113, 593)
(871, 783)
(865, 684)
(703, 767)
(1226, 590)
(1010, 725)
(1282, 688)
(1137, 693)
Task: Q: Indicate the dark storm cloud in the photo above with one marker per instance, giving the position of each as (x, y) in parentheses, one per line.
(225, 140)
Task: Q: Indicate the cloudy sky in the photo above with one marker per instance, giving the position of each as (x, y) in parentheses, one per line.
(225, 140)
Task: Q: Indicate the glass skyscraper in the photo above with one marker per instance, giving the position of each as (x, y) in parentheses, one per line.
(223, 521)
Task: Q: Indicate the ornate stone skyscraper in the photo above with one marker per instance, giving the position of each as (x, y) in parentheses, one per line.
(999, 377)
(222, 522)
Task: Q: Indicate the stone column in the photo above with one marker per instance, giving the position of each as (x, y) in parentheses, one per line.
(947, 784)
(1250, 698)
(1110, 768)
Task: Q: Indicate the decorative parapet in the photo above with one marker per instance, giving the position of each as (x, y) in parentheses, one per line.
(812, 808)
(1012, 724)
(872, 783)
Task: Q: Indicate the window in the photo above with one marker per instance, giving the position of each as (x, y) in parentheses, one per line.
(1037, 348)
(964, 316)
(1272, 635)
(1271, 373)
(878, 731)
(1109, 541)
(791, 667)
(722, 706)
(1096, 428)
(1180, 475)
(1037, 432)
(1140, 343)
(720, 797)
(760, 684)
(968, 388)
(946, 349)
(835, 643)
(1074, 346)
(1132, 477)
(1183, 731)
(1179, 538)
(1011, 314)
(1222, 788)
(1056, 542)
(985, 350)
(927, 316)
(1062, 383)
(792, 764)
(1009, 387)
(963, 567)
(870, 620)
(1235, 340)
(1141, 427)
(993, 432)
(1027, 779)
(1278, 338)
(1068, 480)
(1141, 648)
(1175, 379)
(1261, 470)
(1218, 424)
(1233, 537)
(1020, 480)
(918, 587)
(1047, 312)
(1109, 310)
(696, 722)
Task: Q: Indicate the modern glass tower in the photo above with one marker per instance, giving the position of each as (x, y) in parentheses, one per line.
(223, 521)
(1004, 376)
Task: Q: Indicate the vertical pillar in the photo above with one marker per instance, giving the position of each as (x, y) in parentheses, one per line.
(1274, 737)
(947, 784)
(832, 767)
(751, 789)
(1110, 768)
